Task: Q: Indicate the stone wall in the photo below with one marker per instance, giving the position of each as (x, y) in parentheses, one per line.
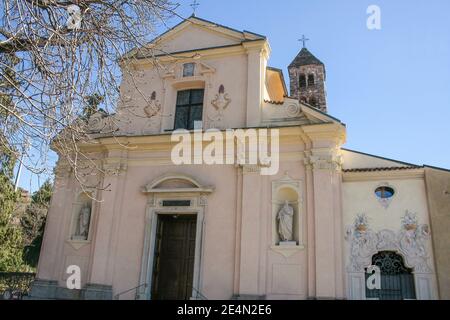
(316, 91)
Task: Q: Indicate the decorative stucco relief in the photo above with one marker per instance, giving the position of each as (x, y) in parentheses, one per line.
(384, 201)
(220, 103)
(153, 108)
(410, 241)
(100, 122)
(153, 113)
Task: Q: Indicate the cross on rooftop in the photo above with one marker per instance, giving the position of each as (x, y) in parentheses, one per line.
(303, 39)
(194, 6)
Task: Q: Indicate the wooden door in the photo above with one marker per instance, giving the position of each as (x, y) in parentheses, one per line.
(174, 257)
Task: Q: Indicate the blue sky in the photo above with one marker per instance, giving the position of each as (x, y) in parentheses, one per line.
(391, 87)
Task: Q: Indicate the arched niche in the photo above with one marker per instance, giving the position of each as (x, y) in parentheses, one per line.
(287, 191)
(81, 222)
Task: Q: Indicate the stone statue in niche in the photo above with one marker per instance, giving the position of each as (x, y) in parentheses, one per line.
(285, 219)
(220, 103)
(83, 222)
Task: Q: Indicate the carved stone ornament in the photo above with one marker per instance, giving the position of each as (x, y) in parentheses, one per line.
(409, 241)
(153, 107)
(203, 200)
(97, 122)
(324, 162)
(220, 103)
(293, 110)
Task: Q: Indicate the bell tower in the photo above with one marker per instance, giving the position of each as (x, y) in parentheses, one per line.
(307, 79)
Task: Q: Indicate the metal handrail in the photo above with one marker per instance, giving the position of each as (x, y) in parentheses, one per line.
(199, 294)
(116, 297)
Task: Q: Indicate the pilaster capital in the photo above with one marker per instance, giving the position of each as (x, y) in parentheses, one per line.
(250, 168)
(115, 168)
(327, 159)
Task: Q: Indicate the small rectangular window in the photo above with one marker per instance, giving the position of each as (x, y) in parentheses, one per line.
(188, 69)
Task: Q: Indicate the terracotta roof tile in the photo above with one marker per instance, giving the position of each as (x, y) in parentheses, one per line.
(381, 169)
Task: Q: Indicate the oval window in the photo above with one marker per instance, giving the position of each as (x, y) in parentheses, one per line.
(384, 192)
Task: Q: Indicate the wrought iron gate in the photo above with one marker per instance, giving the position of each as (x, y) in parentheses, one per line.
(397, 281)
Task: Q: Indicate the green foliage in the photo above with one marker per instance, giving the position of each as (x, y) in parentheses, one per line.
(33, 223)
(11, 240)
(43, 195)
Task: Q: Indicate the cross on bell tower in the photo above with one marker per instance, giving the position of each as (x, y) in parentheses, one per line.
(303, 40)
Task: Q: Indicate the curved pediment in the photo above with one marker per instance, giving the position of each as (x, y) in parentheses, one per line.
(173, 182)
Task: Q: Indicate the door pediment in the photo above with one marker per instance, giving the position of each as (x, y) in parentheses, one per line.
(178, 183)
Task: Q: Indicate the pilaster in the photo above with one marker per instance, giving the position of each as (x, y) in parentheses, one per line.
(325, 164)
(108, 217)
(250, 231)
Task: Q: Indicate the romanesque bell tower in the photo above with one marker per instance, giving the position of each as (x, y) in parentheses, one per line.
(307, 80)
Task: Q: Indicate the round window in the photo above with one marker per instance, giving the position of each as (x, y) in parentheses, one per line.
(384, 192)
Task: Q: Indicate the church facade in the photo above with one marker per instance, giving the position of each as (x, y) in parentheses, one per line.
(312, 229)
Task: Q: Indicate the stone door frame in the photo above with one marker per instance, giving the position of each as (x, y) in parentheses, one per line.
(155, 206)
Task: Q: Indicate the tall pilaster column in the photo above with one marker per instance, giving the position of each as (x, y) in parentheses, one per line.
(250, 231)
(326, 166)
(101, 274)
(256, 58)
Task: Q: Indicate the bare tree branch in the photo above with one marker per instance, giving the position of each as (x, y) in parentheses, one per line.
(49, 69)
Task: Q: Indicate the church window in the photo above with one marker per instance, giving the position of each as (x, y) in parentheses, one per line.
(302, 81)
(310, 80)
(188, 69)
(384, 192)
(189, 108)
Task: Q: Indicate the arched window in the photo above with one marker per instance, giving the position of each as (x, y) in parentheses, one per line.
(313, 101)
(397, 280)
(302, 81)
(310, 80)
